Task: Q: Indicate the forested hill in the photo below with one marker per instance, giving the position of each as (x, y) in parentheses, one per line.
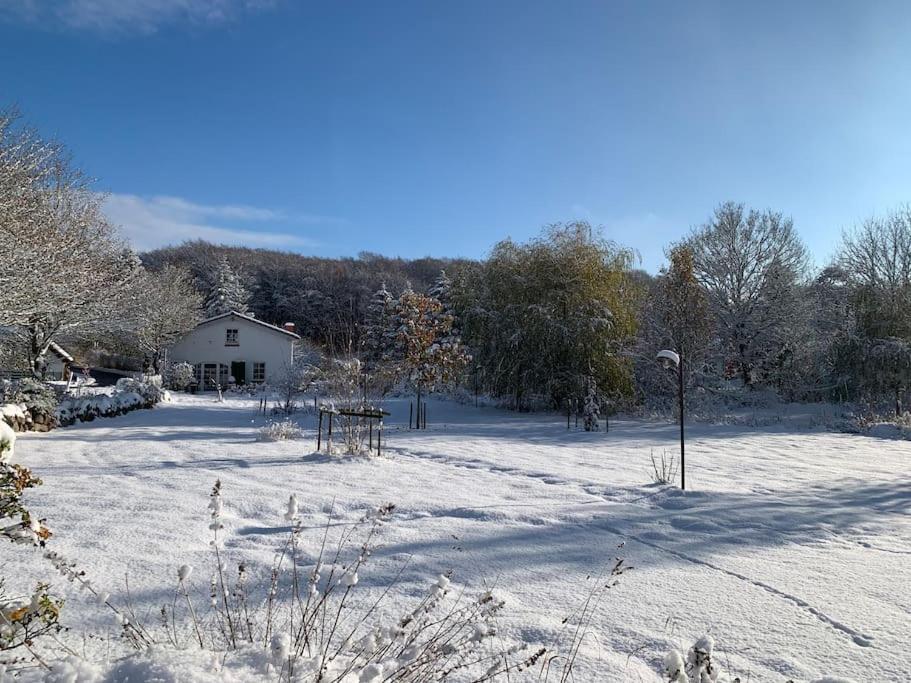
(326, 298)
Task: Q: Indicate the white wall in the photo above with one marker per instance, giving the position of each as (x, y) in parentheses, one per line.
(256, 344)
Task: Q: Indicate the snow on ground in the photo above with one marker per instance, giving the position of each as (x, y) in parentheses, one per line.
(792, 547)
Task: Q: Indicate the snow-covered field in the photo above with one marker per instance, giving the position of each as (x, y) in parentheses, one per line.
(792, 548)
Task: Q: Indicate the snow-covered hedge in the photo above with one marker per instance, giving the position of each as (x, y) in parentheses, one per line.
(28, 405)
(129, 394)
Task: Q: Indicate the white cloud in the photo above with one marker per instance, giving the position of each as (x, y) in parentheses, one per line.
(151, 222)
(128, 16)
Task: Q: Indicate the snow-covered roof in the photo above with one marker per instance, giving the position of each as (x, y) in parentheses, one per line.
(59, 352)
(235, 314)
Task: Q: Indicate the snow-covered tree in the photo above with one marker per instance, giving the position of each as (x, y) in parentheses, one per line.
(298, 376)
(227, 293)
(751, 265)
(441, 290)
(675, 315)
(425, 354)
(876, 261)
(591, 410)
(166, 307)
(377, 337)
(542, 317)
(65, 269)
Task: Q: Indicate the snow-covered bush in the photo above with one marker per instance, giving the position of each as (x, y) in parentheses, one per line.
(180, 376)
(22, 620)
(129, 394)
(282, 430)
(35, 398)
(15, 415)
(698, 667)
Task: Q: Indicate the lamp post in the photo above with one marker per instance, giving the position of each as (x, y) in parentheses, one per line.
(671, 359)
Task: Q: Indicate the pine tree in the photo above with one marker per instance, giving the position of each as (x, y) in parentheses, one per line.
(377, 336)
(227, 294)
(592, 408)
(441, 290)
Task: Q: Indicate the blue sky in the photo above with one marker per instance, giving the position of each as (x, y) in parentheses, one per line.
(430, 127)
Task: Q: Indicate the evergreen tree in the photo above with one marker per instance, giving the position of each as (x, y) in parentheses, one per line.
(377, 336)
(592, 409)
(227, 294)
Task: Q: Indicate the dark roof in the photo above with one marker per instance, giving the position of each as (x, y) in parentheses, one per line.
(235, 314)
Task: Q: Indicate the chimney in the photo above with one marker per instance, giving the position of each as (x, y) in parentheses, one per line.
(289, 327)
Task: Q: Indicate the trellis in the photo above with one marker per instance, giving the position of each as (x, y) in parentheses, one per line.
(369, 413)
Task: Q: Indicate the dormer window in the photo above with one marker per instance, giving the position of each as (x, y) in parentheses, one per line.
(231, 337)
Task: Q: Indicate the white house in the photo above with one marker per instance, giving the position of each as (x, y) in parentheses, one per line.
(235, 345)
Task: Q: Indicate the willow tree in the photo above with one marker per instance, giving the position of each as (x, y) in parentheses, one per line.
(546, 318)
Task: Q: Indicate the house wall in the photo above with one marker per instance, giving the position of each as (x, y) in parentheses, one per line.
(55, 367)
(256, 344)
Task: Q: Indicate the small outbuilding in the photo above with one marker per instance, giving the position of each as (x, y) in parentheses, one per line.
(235, 347)
(58, 362)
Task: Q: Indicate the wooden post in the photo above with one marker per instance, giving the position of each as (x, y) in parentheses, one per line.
(370, 420)
(319, 433)
(424, 421)
(379, 439)
(329, 437)
(410, 412)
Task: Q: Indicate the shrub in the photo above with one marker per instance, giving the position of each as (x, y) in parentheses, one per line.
(665, 470)
(180, 376)
(129, 394)
(698, 667)
(37, 399)
(283, 430)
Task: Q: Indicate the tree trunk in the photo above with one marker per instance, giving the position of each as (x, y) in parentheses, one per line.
(417, 422)
(37, 351)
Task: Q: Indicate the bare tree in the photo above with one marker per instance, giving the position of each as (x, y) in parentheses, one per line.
(64, 267)
(165, 307)
(750, 264)
(298, 376)
(876, 260)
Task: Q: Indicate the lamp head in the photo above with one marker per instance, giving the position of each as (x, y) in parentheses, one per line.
(668, 359)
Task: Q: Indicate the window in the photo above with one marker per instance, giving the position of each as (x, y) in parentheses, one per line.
(259, 372)
(231, 337)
